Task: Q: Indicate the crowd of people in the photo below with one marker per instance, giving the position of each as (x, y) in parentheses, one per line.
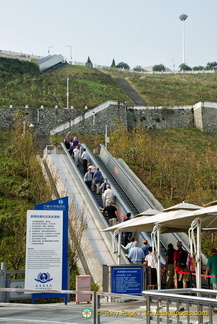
(94, 179)
(179, 263)
(180, 266)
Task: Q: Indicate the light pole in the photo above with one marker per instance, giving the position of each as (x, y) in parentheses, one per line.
(183, 18)
(49, 47)
(70, 48)
(67, 92)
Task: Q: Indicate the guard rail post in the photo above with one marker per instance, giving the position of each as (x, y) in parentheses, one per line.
(3, 281)
(94, 299)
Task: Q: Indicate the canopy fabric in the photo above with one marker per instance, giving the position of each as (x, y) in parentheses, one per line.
(174, 220)
(171, 219)
(148, 212)
(183, 206)
(143, 215)
(128, 223)
(167, 220)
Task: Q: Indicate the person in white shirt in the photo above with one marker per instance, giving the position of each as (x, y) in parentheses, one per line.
(151, 261)
(76, 153)
(108, 195)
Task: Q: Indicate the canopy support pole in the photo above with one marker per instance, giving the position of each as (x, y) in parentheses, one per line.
(198, 259)
(119, 247)
(196, 247)
(156, 251)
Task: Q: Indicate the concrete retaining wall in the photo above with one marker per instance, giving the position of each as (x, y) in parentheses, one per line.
(202, 115)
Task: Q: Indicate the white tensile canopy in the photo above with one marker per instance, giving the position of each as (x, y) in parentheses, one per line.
(142, 216)
(179, 218)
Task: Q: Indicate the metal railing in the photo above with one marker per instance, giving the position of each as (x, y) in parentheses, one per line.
(196, 305)
(169, 306)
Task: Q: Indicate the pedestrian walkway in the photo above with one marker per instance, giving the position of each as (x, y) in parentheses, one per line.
(72, 313)
(115, 312)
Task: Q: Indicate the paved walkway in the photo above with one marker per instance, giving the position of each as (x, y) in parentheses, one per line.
(110, 312)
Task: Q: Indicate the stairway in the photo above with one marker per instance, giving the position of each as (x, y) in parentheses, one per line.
(132, 94)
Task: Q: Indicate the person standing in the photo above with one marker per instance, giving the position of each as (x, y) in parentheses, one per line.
(169, 267)
(97, 180)
(84, 158)
(76, 153)
(136, 254)
(67, 140)
(129, 245)
(145, 247)
(211, 268)
(88, 178)
(127, 235)
(102, 189)
(151, 261)
(108, 195)
(111, 212)
(75, 142)
(180, 259)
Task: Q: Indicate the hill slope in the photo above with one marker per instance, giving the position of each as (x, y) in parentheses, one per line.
(22, 84)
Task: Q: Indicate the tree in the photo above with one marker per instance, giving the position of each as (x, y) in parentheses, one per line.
(89, 63)
(159, 68)
(138, 68)
(198, 68)
(211, 66)
(184, 67)
(113, 64)
(123, 65)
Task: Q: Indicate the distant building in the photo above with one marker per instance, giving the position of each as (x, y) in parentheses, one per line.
(19, 56)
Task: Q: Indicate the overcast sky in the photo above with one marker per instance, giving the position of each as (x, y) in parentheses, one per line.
(137, 32)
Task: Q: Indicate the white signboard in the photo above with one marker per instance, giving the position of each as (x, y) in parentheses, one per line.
(44, 250)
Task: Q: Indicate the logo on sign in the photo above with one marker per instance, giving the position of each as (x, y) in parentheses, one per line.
(60, 201)
(43, 277)
(86, 313)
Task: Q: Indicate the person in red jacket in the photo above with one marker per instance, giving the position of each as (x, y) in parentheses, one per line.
(180, 258)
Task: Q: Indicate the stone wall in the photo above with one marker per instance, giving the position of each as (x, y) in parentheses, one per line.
(206, 117)
(202, 115)
(43, 119)
(161, 117)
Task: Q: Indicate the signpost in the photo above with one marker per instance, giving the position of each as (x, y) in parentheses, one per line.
(127, 280)
(47, 248)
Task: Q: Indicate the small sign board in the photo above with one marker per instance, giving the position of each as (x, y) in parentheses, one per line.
(19, 283)
(127, 280)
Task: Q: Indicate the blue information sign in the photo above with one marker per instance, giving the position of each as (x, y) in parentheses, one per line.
(127, 280)
(60, 204)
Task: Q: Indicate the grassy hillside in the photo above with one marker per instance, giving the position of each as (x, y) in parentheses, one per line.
(171, 89)
(22, 84)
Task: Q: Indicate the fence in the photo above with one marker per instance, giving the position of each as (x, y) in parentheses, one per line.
(169, 306)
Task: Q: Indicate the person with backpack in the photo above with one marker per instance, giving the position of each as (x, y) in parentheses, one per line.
(169, 267)
(180, 259)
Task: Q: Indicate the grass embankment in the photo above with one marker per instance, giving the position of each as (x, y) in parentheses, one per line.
(171, 89)
(21, 83)
(21, 187)
(20, 86)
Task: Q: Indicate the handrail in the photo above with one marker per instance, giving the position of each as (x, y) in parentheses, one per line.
(92, 204)
(102, 147)
(158, 304)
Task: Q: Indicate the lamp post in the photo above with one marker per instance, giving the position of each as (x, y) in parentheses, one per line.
(49, 47)
(183, 18)
(70, 48)
(67, 92)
